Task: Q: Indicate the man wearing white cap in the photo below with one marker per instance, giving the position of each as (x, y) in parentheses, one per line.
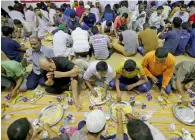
(95, 125)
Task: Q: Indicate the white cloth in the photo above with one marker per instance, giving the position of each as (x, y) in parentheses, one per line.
(184, 17)
(138, 23)
(157, 135)
(104, 26)
(96, 12)
(166, 11)
(80, 40)
(52, 13)
(60, 42)
(16, 15)
(156, 20)
(30, 16)
(45, 13)
(95, 121)
(91, 70)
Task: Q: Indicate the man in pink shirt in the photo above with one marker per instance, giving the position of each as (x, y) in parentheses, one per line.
(80, 9)
(119, 20)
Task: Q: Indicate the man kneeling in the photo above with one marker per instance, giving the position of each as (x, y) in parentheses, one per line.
(58, 73)
(127, 78)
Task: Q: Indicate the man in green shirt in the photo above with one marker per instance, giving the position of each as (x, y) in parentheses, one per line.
(12, 72)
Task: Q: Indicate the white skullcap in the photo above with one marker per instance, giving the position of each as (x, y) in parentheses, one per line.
(87, 7)
(95, 121)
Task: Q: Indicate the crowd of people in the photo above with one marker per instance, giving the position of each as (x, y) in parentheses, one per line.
(83, 30)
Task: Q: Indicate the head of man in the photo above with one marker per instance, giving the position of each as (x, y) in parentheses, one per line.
(108, 24)
(61, 27)
(29, 7)
(37, 11)
(129, 66)
(35, 43)
(47, 64)
(102, 68)
(146, 25)
(81, 3)
(141, 8)
(124, 16)
(72, 16)
(159, 10)
(7, 31)
(183, 9)
(94, 30)
(20, 130)
(10, 8)
(96, 122)
(97, 4)
(59, 12)
(153, 3)
(4, 18)
(76, 3)
(123, 27)
(161, 55)
(87, 9)
(177, 21)
(185, 25)
(138, 130)
(18, 23)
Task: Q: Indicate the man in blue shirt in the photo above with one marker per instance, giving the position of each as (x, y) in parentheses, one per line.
(87, 19)
(191, 50)
(10, 47)
(69, 10)
(172, 37)
(72, 21)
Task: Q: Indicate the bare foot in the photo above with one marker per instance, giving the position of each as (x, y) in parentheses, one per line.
(78, 104)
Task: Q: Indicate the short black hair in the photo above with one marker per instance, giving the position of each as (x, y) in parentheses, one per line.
(68, 6)
(183, 6)
(17, 22)
(6, 30)
(108, 23)
(123, 27)
(59, 9)
(138, 130)
(10, 8)
(92, 6)
(16, 2)
(94, 30)
(185, 25)
(72, 15)
(160, 8)
(19, 129)
(102, 66)
(125, 15)
(81, 3)
(129, 65)
(177, 22)
(146, 25)
(161, 53)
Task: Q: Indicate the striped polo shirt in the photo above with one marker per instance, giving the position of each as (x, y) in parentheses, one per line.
(100, 45)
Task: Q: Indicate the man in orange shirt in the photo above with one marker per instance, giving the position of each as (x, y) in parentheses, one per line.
(119, 20)
(159, 67)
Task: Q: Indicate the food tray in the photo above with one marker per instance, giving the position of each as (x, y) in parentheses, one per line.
(98, 101)
(184, 113)
(51, 111)
(122, 103)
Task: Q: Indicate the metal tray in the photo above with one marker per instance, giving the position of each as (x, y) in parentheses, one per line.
(184, 113)
(122, 102)
(99, 95)
(47, 108)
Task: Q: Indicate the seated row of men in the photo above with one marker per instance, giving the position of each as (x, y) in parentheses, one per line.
(57, 73)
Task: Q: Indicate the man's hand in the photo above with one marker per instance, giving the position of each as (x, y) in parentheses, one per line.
(104, 95)
(49, 82)
(14, 94)
(50, 75)
(118, 97)
(46, 126)
(58, 74)
(36, 132)
(94, 93)
(163, 93)
(154, 79)
(130, 87)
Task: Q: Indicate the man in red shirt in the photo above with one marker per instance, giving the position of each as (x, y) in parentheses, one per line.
(119, 20)
(192, 19)
(80, 9)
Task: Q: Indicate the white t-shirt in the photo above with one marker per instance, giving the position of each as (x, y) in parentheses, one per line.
(184, 17)
(16, 15)
(60, 41)
(91, 70)
(43, 23)
(80, 40)
(156, 20)
(104, 26)
(30, 15)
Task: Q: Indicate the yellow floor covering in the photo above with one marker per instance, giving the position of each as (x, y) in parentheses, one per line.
(161, 119)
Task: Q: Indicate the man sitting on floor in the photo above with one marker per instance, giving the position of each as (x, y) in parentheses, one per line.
(10, 47)
(37, 51)
(148, 40)
(58, 73)
(87, 19)
(191, 49)
(107, 27)
(101, 44)
(60, 17)
(184, 77)
(183, 14)
(127, 78)
(12, 73)
(21, 129)
(72, 21)
(129, 39)
(120, 20)
(100, 73)
(159, 67)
